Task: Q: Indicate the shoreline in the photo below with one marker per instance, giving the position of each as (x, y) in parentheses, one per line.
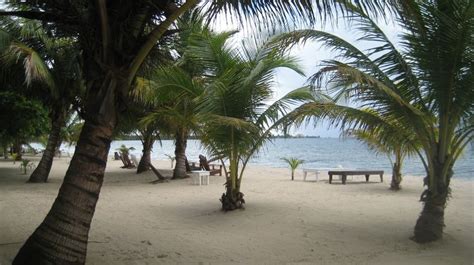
(285, 222)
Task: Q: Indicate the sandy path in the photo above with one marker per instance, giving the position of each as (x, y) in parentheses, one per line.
(285, 222)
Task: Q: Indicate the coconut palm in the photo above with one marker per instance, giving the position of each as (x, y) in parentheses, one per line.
(294, 163)
(426, 88)
(175, 90)
(238, 117)
(115, 38)
(51, 69)
(395, 146)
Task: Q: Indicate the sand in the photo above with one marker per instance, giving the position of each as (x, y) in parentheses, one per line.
(285, 222)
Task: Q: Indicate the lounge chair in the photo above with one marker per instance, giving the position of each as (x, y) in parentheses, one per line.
(212, 168)
(190, 167)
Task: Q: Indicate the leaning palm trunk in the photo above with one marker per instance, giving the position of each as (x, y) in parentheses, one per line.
(62, 237)
(180, 154)
(41, 173)
(145, 161)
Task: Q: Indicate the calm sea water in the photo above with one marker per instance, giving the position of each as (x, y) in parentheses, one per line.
(316, 152)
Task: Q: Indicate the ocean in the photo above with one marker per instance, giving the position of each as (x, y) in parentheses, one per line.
(316, 153)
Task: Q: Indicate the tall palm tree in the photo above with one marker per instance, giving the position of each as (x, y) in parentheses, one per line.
(115, 37)
(426, 87)
(51, 69)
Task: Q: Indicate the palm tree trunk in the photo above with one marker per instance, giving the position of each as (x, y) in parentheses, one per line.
(233, 199)
(180, 154)
(62, 237)
(41, 173)
(145, 161)
(430, 224)
(5, 151)
(396, 177)
(17, 149)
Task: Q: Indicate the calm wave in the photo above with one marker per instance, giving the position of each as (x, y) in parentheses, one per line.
(316, 152)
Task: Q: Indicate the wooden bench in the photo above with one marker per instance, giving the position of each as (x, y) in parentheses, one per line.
(345, 173)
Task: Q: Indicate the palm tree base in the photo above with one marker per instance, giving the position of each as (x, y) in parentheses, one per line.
(230, 203)
(35, 179)
(395, 186)
(430, 224)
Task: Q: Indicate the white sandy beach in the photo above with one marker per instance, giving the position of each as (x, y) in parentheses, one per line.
(285, 222)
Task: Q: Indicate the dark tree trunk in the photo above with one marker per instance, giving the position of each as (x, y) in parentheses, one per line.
(396, 177)
(62, 237)
(5, 152)
(17, 150)
(145, 161)
(180, 154)
(430, 224)
(233, 199)
(41, 173)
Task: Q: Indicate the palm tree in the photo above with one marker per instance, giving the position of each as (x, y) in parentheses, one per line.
(115, 38)
(175, 90)
(426, 88)
(51, 68)
(237, 118)
(294, 163)
(395, 146)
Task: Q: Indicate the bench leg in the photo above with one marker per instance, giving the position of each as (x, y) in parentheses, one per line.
(344, 178)
(330, 178)
(304, 177)
(366, 178)
(381, 177)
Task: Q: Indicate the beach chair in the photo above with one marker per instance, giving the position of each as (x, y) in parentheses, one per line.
(213, 170)
(190, 167)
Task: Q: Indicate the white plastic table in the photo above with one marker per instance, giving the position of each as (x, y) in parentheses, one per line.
(200, 177)
(310, 170)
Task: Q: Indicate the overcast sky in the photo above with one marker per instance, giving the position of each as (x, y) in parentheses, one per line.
(310, 55)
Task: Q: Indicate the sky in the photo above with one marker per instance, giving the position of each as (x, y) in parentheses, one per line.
(309, 55)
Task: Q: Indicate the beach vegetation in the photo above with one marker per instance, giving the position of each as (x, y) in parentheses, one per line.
(50, 70)
(293, 163)
(424, 85)
(114, 39)
(25, 165)
(26, 119)
(395, 146)
(125, 155)
(237, 105)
